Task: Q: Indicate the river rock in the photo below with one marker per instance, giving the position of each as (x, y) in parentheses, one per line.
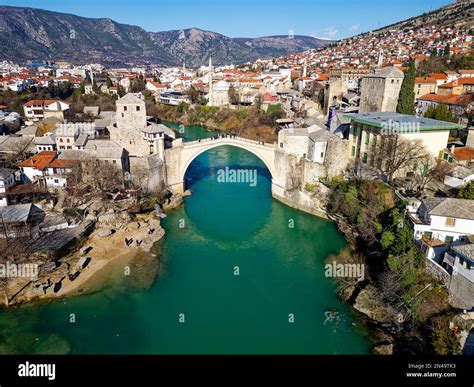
(114, 219)
(385, 349)
(347, 292)
(174, 202)
(370, 303)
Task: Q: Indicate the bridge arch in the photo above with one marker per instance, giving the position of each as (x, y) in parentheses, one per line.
(199, 151)
(180, 156)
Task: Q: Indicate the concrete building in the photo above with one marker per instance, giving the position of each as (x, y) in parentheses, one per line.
(380, 91)
(459, 176)
(41, 109)
(424, 85)
(366, 130)
(7, 179)
(446, 220)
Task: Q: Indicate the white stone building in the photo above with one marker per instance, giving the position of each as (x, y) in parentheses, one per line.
(445, 220)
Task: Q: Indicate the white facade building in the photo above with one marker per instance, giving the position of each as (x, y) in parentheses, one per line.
(446, 220)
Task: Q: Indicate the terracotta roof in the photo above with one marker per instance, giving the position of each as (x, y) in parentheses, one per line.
(158, 85)
(61, 164)
(44, 102)
(34, 102)
(39, 161)
(438, 76)
(463, 154)
(425, 80)
(450, 99)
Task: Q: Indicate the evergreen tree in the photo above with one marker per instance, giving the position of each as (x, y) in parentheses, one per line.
(440, 112)
(467, 192)
(406, 100)
(447, 51)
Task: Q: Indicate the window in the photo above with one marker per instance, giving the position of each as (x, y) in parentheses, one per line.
(114, 161)
(281, 145)
(56, 181)
(449, 239)
(364, 158)
(367, 138)
(138, 108)
(353, 151)
(428, 234)
(124, 108)
(451, 222)
(322, 154)
(123, 115)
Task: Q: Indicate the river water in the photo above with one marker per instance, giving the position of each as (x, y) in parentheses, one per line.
(240, 274)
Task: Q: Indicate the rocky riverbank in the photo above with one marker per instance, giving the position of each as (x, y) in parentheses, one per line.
(118, 244)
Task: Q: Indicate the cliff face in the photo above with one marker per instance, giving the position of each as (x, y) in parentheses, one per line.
(29, 33)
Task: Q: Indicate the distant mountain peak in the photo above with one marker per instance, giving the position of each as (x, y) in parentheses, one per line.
(30, 33)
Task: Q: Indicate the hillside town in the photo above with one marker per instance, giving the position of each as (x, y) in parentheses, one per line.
(394, 106)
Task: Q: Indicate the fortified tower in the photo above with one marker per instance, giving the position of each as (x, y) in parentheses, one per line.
(131, 121)
(380, 91)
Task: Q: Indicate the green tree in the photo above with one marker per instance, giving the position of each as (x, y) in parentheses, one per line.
(447, 51)
(467, 192)
(406, 101)
(193, 94)
(233, 95)
(441, 112)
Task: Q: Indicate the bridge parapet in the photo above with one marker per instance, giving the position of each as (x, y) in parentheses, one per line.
(231, 139)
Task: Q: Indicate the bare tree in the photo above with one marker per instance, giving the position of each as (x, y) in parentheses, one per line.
(425, 172)
(394, 154)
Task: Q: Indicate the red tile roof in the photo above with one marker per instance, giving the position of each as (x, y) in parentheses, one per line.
(450, 99)
(425, 80)
(39, 161)
(61, 164)
(438, 76)
(463, 154)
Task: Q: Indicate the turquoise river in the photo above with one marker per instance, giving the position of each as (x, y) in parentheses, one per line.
(240, 273)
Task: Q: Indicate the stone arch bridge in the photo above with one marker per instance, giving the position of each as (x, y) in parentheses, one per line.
(181, 155)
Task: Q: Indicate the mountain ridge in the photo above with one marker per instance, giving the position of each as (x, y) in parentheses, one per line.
(28, 33)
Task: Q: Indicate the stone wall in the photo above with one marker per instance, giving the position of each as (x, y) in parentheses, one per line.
(372, 94)
(148, 173)
(462, 291)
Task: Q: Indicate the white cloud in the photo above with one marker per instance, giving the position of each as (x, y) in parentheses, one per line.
(354, 27)
(330, 32)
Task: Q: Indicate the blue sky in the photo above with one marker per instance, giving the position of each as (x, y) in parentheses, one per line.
(330, 19)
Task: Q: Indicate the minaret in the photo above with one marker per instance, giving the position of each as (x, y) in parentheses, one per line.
(184, 68)
(210, 81)
(304, 69)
